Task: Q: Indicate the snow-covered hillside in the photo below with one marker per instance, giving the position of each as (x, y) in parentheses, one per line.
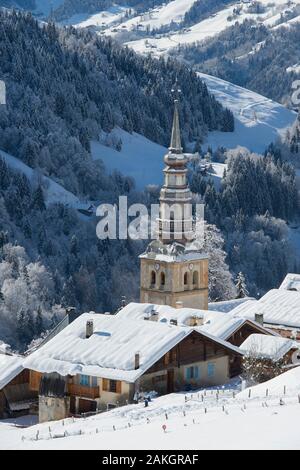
(54, 192)
(139, 158)
(201, 420)
(270, 14)
(258, 120)
(103, 19)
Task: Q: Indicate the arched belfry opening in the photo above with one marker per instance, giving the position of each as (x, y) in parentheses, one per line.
(195, 279)
(153, 278)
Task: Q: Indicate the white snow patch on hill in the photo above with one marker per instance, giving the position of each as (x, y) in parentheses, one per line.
(100, 20)
(140, 158)
(258, 120)
(160, 16)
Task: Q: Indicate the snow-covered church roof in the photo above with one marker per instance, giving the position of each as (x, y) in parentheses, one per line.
(269, 347)
(110, 351)
(280, 307)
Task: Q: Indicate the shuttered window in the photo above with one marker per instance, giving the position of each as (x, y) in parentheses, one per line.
(84, 380)
(192, 373)
(105, 385)
(113, 386)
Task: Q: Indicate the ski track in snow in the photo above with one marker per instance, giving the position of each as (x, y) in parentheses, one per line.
(258, 120)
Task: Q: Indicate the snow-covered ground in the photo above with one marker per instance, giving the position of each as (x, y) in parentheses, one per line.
(160, 16)
(258, 120)
(204, 420)
(100, 20)
(140, 158)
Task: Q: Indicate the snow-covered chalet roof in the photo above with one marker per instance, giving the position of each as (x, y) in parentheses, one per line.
(280, 307)
(218, 324)
(270, 347)
(227, 305)
(224, 326)
(110, 351)
(139, 311)
(291, 282)
(10, 367)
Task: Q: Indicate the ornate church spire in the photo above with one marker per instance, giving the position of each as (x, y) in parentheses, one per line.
(175, 146)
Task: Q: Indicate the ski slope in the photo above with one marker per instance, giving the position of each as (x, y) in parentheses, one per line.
(208, 419)
(258, 120)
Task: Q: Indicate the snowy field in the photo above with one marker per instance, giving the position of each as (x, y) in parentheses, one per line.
(208, 419)
(258, 120)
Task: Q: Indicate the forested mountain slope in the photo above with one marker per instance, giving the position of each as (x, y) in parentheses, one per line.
(64, 86)
(263, 60)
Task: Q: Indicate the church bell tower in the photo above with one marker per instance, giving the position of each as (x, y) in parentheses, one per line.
(173, 272)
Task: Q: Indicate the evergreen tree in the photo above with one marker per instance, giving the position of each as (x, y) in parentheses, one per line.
(241, 286)
(38, 201)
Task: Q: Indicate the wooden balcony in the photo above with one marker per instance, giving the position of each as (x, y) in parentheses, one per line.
(83, 391)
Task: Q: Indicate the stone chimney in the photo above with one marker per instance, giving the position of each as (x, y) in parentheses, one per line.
(89, 329)
(137, 361)
(259, 318)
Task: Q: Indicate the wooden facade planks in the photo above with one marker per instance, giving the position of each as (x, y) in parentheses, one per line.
(35, 380)
(83, 391)
(194, 348)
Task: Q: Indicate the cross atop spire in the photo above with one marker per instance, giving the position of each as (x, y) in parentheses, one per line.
(175, 146)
